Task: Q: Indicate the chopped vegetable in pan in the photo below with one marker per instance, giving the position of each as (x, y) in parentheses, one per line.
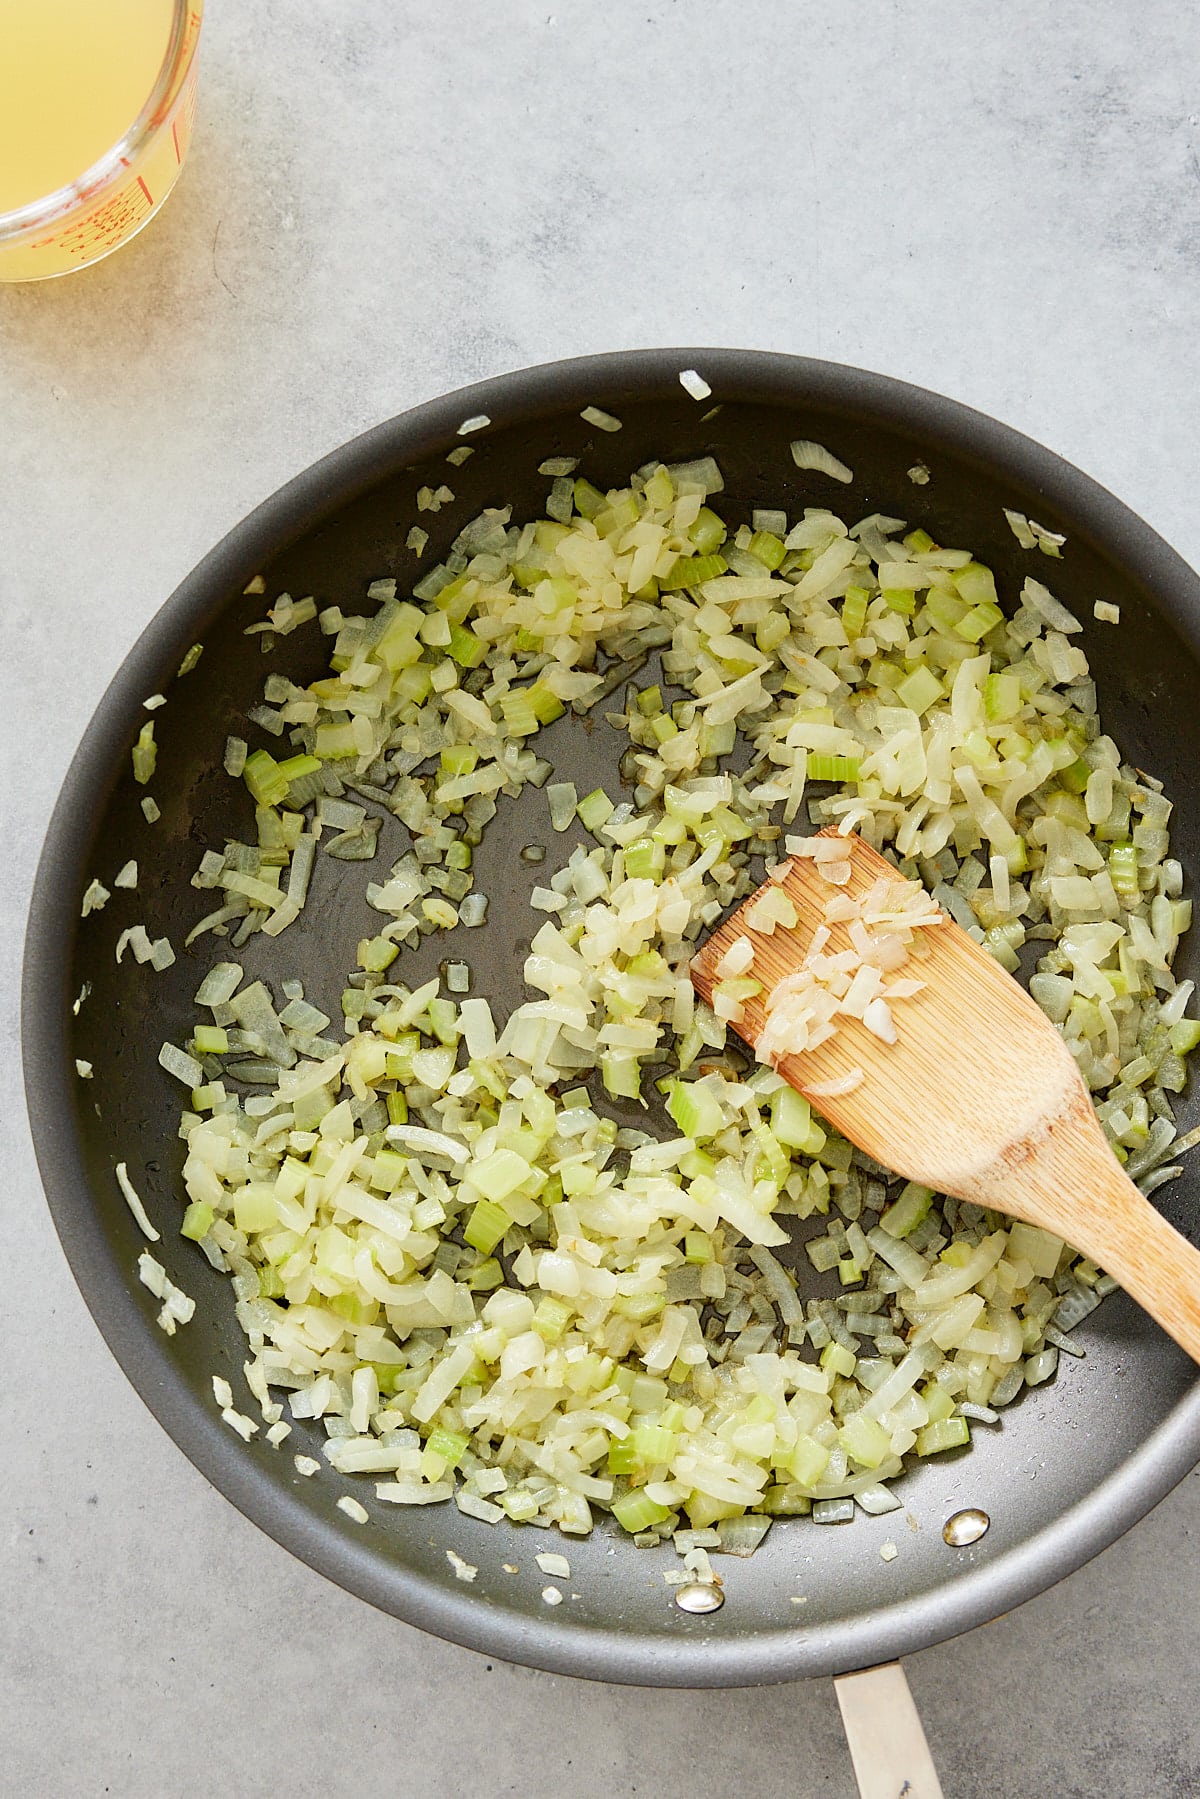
(441, 1243)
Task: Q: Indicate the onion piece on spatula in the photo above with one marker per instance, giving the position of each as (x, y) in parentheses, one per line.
(977, 1096)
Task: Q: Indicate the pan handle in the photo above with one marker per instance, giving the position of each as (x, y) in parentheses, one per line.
(883, 1729)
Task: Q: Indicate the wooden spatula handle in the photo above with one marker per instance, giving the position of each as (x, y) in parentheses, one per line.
(885, 1735)
(1066, 1179)
(1158, 1267)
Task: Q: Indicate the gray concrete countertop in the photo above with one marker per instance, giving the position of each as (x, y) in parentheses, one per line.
(383, 202)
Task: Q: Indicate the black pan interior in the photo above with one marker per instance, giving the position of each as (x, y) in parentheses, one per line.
(1071, 1465)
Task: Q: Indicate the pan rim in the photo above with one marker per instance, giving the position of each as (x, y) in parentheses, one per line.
(974, 1596)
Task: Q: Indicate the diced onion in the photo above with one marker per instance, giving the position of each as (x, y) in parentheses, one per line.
(809, 455)
(694, 384)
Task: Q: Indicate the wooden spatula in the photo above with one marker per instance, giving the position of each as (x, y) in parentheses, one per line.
(979, 1097)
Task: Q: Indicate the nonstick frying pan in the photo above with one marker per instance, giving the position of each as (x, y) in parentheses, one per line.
(1072, 1465)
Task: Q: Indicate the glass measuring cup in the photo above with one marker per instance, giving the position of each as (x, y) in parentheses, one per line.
(68, 67)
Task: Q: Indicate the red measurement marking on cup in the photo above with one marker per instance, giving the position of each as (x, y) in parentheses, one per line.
(175, 140)
(149, 197)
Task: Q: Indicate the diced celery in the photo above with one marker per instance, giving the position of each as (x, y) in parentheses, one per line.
(976, 584)
(920, 689)
(720, 738)
(377, 953)
(637, 1511)
(808, 1461)
(836, 1360)
(355, 1308)
(652, 1444)
(938, 1402)
(834, 1153)
(660, 489)
(454, 599)
(640, 1307)
(588, 499)
(1123, 869)
(832, 768)
(946, 1433)
(906, 1213)
(546, 705)
(774, 1164)
(854, 612)
(443, 1020)
(622, 1457)
(551, 1318)
(693, 571)
(738, 988)
(865, 1440)
(210, 1040)
(1002, 696)
(696, 1109)
(450, 1445)
(978, 622)
(645, 859)
(412, 684)
(485, 1227)
(771, 632)
(707, 532)
(498, 1175)
(595, 809)
(294, 768)
(389, 1166)
(669, 830)
(766, 548)
(145, 754)
(618, 516)
(265, 779)
(519, 716)
(944, 608)
(733, 828)
(621, 1076)
(459, 758)
(485, 1276)
(197, 1220)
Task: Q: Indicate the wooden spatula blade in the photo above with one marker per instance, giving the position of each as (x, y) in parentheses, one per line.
(979, 1097)
(976, 1064)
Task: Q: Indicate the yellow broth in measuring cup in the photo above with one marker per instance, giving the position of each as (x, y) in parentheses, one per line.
(97, 99)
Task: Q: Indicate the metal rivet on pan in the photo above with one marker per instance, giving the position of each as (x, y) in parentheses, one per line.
(699, 1596)
(965, 1527)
